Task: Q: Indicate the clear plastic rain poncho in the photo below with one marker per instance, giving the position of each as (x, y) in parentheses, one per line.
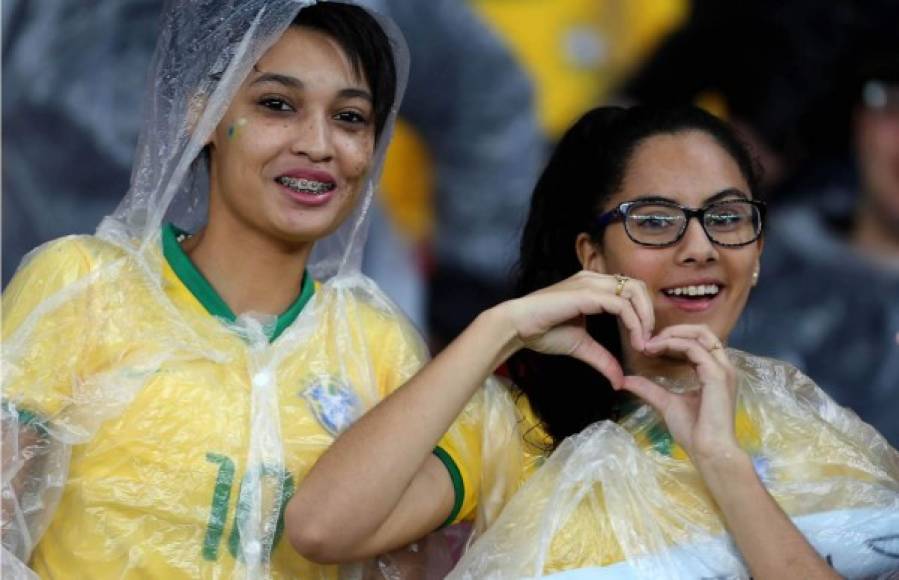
(622, 500)
(142, 436)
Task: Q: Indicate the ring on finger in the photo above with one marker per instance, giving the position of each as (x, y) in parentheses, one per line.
(622, 282)
(716, 346)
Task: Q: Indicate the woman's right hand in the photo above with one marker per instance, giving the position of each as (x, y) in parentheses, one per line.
(552, 319)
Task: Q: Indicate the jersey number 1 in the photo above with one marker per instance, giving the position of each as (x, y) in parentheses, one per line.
(218, 515)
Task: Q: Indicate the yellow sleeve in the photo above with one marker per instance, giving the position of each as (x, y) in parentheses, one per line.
(492, 446)
(491, 449)
(460, 451)
(43, 333)
(399, 354)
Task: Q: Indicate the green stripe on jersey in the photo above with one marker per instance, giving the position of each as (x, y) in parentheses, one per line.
(203, 291)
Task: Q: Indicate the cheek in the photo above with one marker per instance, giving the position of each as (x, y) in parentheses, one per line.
(645, 267)
(251, 145)
(355, 155)
(234, 129)
(740, 273)
(622, 256)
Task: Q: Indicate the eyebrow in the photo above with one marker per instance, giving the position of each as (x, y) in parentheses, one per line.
(729, 192)
(295, 83)
(724, 193)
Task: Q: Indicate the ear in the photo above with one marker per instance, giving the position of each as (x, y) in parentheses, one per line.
(589, 254)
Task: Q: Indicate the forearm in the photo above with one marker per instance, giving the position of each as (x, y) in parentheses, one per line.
(357, 483)
(770, 543)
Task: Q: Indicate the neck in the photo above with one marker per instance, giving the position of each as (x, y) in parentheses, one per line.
(250, 271)
(874, 233)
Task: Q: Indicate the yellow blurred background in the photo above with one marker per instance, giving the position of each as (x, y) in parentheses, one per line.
(575, 52)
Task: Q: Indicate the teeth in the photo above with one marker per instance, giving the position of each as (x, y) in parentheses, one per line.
(701, 290)
(306, 185)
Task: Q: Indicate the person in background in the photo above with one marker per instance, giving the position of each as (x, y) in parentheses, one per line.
(781, 71)
(828, 297)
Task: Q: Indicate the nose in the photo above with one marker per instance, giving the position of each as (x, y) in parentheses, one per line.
(313, 138)
(696, 247)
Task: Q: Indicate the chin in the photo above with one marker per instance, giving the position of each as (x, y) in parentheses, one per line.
(304, 233)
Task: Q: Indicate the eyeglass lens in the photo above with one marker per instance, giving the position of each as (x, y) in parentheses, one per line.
(729, 223)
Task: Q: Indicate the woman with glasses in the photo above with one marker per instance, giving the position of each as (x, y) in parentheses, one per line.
(638, 444)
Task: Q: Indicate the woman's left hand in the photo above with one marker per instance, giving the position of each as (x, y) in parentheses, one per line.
(702, 420)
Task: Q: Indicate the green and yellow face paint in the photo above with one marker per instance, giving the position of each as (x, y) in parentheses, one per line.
(235, 127)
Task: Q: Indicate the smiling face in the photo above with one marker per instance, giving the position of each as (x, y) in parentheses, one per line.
(291, 153)
(691, 169)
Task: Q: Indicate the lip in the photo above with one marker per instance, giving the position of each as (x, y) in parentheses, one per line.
(313, 174)
(308, 199)
(694, 305)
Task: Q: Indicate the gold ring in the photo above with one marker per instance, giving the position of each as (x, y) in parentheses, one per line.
(622, 282)
(716, 346)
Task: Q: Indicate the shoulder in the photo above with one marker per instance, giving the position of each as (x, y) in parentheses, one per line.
(770, 374)
(785, 391)
(761, 367)
(787, 401)
(359, 305)
(60, 263)
(354, 314)
(70, 256)
(52, 274)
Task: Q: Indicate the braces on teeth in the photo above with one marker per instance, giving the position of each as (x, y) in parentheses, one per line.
(306, 184)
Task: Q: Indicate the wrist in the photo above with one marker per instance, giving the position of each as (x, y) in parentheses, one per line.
(497, 324)
(725, 467)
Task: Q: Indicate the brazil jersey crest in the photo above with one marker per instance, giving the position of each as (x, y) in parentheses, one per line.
(334, 404)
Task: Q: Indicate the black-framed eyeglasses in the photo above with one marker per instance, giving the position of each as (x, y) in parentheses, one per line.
(658, 223)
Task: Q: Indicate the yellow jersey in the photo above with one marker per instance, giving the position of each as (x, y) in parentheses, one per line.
(151, 381)
(623, 497)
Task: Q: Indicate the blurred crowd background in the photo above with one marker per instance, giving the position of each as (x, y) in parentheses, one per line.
(813, 87)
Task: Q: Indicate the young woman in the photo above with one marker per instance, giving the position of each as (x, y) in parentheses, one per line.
(641, 248)
(168, 381)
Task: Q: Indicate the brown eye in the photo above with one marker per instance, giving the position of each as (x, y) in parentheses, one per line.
(276, 104)
(351, 117)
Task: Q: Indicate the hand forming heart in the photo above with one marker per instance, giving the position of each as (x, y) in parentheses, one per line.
(552, 321)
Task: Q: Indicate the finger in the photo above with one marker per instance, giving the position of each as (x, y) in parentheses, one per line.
(592, 353)
(699, 332)
(639, 296)
(624, 310)
(717, 380)
(657, 396)
(633, 290)
(692, 350)
(696, 331)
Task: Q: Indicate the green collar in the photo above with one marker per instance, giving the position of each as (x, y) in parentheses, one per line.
(200, 287)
